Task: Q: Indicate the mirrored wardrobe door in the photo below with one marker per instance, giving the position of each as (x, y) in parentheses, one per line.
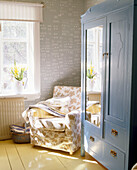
(94, 73)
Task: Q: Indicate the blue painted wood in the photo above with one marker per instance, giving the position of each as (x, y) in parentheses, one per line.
(99, 22)
(132, 154)
(113, 158)
(82, 91)
(94, 145)
(117, 47)
(120, 90)
(103, 9)
(129, 97)
(116, 136)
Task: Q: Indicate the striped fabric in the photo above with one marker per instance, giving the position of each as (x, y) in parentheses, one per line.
(48, 109)
(19, 129)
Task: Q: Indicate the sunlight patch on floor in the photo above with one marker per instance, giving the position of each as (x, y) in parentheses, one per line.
(48, 159)
(93, 162)
(42, 151)
(64, 156)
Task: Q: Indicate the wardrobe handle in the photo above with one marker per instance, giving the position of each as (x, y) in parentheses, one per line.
(92, 139)
(113, 153)
(105, 54)
(114, 132)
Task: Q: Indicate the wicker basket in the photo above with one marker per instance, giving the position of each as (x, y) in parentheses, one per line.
(20, 134)
(21, 138)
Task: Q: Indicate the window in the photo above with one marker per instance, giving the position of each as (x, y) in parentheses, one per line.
(20, 42)
(16, 44)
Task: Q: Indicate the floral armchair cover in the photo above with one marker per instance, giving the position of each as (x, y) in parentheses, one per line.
(59, 133)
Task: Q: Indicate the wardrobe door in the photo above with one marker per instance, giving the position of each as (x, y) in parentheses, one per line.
(94, 46)
(117, 68)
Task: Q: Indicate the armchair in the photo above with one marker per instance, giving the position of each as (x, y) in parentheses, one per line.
(60, 133)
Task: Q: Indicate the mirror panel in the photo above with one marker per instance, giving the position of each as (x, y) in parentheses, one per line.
(94, 74)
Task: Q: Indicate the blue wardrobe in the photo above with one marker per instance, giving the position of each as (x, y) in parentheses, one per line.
(109, 63)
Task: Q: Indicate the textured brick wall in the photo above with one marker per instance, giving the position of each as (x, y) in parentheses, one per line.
(60, 44)
(89, 3)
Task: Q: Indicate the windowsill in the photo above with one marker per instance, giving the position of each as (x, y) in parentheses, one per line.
(93, 92)
(26, 96)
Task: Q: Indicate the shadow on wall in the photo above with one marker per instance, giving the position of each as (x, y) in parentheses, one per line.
(61, 80)
(68, 80)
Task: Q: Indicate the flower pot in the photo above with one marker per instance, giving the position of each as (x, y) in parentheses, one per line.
(18, 86)
(90, 84)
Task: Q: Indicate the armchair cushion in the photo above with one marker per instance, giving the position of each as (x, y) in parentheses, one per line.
(73, 92)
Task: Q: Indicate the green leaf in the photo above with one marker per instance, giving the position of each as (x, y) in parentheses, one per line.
(14, 62)
(88, 74)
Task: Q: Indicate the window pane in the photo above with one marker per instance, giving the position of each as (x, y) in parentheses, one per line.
(91, 35)
(91, 54)
(14, 50)
(7, 81)
(100, 35)
(16, 44)
(14, 30)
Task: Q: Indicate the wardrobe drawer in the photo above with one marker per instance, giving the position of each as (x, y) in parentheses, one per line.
(113, 158)
(93, 145)
(115, 135)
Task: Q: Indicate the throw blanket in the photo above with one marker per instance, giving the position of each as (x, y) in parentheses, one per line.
(42, 110)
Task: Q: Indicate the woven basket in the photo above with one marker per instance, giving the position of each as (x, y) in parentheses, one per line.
(20, 134)
(21, 138)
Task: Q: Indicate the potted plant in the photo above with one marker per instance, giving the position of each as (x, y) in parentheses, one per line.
(18, 75)
(91, 74)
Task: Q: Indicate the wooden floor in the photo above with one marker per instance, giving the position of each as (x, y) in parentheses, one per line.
(24, 156)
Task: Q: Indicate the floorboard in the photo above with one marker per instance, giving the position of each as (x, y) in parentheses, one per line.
(24, 156)
(14, 156)
(4, 160)
(32, 158)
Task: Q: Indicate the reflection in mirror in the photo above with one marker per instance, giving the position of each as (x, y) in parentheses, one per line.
(94, 74)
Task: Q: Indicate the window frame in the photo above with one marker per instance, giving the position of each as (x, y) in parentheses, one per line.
(35, 93)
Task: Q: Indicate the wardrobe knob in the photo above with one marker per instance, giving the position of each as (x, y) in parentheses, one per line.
(113, 153)
(105, 54)
(114, 132)
(92, 139)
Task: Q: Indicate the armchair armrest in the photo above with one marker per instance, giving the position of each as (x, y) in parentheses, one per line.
(73, 118)
(73, 129)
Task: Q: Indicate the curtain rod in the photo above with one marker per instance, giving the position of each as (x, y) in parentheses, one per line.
(42, 4)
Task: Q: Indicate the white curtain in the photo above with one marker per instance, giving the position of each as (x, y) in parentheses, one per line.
(19, 11)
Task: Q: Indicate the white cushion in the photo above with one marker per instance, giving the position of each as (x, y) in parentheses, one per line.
(60, 102)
